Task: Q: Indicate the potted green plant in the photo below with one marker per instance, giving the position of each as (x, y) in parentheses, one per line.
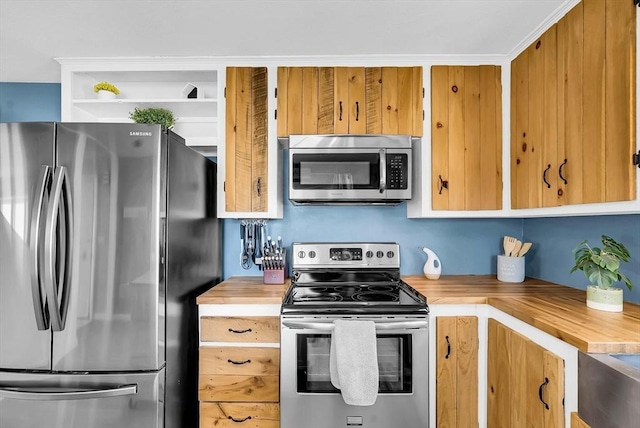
(153, 115)
(601, 267)
(106, 90)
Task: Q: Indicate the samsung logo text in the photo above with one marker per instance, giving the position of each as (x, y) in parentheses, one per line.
(140, 134)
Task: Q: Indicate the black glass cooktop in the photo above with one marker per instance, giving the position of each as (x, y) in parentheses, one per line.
(351, 292)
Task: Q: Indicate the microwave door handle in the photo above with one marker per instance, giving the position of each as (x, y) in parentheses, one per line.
(379, 326)
(383, 170)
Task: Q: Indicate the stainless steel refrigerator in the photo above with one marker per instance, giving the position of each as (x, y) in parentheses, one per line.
(107, 234)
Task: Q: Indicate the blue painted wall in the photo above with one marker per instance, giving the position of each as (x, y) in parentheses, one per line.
(464, 246)
(30, 102)
(554, 238)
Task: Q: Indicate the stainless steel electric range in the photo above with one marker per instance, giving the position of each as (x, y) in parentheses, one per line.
(359, 281)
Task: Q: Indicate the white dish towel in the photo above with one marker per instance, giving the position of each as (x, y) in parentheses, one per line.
(353, 361)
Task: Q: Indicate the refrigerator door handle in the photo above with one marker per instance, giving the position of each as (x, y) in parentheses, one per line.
(57, 281)
(46, 394)
(39, 302)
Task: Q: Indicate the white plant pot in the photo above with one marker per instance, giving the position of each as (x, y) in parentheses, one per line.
(106, 95)
(609, 300)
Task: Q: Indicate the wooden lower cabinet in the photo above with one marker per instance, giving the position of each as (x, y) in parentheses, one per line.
(239, 385)
(525, 382)
(577, 422)
(457, 371)
(242, 415)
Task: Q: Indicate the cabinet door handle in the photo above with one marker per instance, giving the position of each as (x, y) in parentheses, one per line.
(240, 331)
(238, 363)
(258, 186)
(357, 110)
(560, 171)
(448, 348)
(444, 184)
(340, 111)
(540, 391)
(544, 176)
(238, 420)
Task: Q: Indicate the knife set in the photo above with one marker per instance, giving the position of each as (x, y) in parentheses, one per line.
(267, 254)
(274, 262)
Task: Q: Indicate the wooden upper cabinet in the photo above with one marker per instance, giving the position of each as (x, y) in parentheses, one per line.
(246, 139)
(573, 110)
(350, 100)
(466, 137)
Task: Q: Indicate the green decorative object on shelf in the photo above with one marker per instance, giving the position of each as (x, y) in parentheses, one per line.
(152, 115)
(105, 86)
(601, 266)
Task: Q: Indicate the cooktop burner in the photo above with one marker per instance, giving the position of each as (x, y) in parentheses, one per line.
(346, 294)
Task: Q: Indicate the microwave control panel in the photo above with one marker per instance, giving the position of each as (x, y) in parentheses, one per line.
(397, 168)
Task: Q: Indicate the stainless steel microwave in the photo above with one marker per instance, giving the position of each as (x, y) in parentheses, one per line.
(349, 169)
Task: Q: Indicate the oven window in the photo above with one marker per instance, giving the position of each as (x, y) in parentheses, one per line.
(394, 363)
(336, 171)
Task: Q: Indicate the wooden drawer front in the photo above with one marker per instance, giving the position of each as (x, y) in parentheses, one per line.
(240, 329)
(240, 415)
(238, 388)
(239, 361)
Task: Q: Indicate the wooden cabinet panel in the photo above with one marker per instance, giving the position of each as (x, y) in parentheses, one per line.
(373, 96)
(577, 422)
(239, 361)
(457, 371)
(498, 376)
(573, 110)
(238, 388)
(525, 381)
(242, 415)
(620, 100)
(466, 138)
(240, 329)
(349, 100)
(246, 140)
(325, 100)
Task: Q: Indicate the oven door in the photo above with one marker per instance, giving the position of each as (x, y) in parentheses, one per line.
(336, 174)
(309, 399)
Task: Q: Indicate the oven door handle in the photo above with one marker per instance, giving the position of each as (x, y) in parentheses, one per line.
(379, 326)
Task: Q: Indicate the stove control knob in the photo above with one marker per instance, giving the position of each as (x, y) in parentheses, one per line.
(369, 254)
(312, 254)
(390, 254)
(379, 254)
(301, 254)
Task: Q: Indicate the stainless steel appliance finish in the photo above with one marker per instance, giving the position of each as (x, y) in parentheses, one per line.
(107, 234)
(358, 281)
(608, 391)
(350, 169)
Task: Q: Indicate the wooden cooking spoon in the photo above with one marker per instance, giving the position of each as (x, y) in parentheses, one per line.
(508, 243)
(525, 247)
(516, 248)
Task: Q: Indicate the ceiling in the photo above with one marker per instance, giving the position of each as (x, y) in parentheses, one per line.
(34, 32)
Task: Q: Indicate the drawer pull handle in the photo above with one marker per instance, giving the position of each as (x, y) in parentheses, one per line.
(540, 391)
(238, 420)
(239, 363)
(240, 331)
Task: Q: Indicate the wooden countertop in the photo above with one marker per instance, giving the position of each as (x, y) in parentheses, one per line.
(244, 290)
(558, 310)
